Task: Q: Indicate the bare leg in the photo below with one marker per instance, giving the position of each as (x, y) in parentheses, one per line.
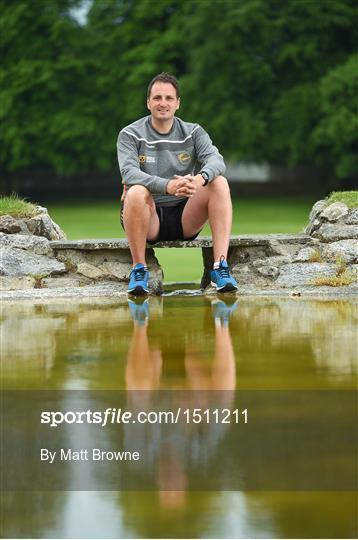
(213, 203)
(144, 366)
(140, 220)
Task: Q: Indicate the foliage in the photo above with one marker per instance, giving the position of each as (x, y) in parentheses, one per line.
(270, 80)
(16, 207)
(350, 198)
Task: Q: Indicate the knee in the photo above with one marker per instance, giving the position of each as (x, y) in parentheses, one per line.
(137, 195)
(220, 185)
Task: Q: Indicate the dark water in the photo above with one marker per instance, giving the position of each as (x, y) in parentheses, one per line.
(288, 473)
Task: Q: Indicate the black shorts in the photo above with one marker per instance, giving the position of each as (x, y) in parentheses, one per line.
(170, 226)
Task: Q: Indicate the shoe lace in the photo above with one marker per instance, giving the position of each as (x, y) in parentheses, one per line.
(223, 270)
(139, 274)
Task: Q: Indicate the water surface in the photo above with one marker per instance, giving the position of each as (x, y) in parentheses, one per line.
(192, 344)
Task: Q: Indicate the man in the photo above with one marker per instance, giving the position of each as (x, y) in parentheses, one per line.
(173, 184)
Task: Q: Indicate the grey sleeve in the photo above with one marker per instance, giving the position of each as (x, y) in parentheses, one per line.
(209, 157)
(131, 173)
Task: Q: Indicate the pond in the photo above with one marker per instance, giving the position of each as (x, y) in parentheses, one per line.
(265, 445)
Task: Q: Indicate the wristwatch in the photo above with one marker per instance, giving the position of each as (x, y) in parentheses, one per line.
(206, 177)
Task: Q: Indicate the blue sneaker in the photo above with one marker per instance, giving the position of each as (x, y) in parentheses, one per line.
(139, 311)
(222, 279)
(138, 280)
(222, 311)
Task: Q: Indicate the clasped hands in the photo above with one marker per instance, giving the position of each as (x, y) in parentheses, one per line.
(184, 186)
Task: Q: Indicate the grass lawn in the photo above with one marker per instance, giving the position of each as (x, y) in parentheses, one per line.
(101, 220)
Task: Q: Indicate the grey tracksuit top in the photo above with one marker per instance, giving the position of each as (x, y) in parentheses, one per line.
(151, 159)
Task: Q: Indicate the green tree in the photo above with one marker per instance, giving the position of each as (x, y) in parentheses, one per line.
(335, 136)
(47, 110)
(270, 80)
(265, 77)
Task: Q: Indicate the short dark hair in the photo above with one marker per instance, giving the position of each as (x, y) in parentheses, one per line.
(166, 78)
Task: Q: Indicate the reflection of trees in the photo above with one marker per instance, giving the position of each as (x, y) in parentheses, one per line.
(295, 343)
(313, 514)
(29, 514)
(278, 343)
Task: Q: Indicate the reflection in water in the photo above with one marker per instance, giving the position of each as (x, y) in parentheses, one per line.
(144, 372)
(180, 343)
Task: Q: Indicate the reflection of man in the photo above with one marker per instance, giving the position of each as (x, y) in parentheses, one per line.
(173, 183)
(175, 452)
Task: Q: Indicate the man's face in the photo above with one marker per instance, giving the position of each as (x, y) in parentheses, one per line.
(163, 101)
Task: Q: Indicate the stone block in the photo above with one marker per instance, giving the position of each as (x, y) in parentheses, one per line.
(35, 244)
(268, 271)
(42, 225)
(271, 261)
(295, 274)
(73, 257)
(352, 218)
(316, 210)
(117, 270)
(334, 211)
(8, 283)
(307, 255)
(60, 282)
(329, 232)
(18, 262)
(10, 225)
(313, 222)
(347, 250)
(246, 275)
(90, 271)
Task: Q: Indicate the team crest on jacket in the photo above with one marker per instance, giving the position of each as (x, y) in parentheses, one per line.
(146, 159)
(184, 157)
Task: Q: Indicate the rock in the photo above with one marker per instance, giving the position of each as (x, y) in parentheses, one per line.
(347, 250)
(10, 225)
(52, 283)
(268, 271)
(247, 275)
(118, 270)
(307, 255)
(90, 271)
(334, 211)
(18, 262)
(113, 291)
(42, 225)
(313, 222)
(303, 273)
(352, 218)
(330, 232)
(41, 209)
(317, 208)
(277, 249)
(35, 244)
(16, 283)
(271, 261)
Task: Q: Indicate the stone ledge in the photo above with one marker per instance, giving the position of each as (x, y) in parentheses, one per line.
(244, 240)
(114, 293)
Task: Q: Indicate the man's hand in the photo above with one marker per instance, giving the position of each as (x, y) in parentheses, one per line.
(184, 186)
(181, 186)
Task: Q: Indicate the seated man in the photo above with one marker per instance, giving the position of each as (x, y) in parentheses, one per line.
(173, 183)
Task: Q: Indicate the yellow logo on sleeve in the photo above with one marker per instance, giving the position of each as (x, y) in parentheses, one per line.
(146, 159)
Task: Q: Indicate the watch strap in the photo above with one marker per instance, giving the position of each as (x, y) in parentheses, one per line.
(205, 176)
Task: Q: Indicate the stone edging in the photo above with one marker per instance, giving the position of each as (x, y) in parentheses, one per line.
(37, 261)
